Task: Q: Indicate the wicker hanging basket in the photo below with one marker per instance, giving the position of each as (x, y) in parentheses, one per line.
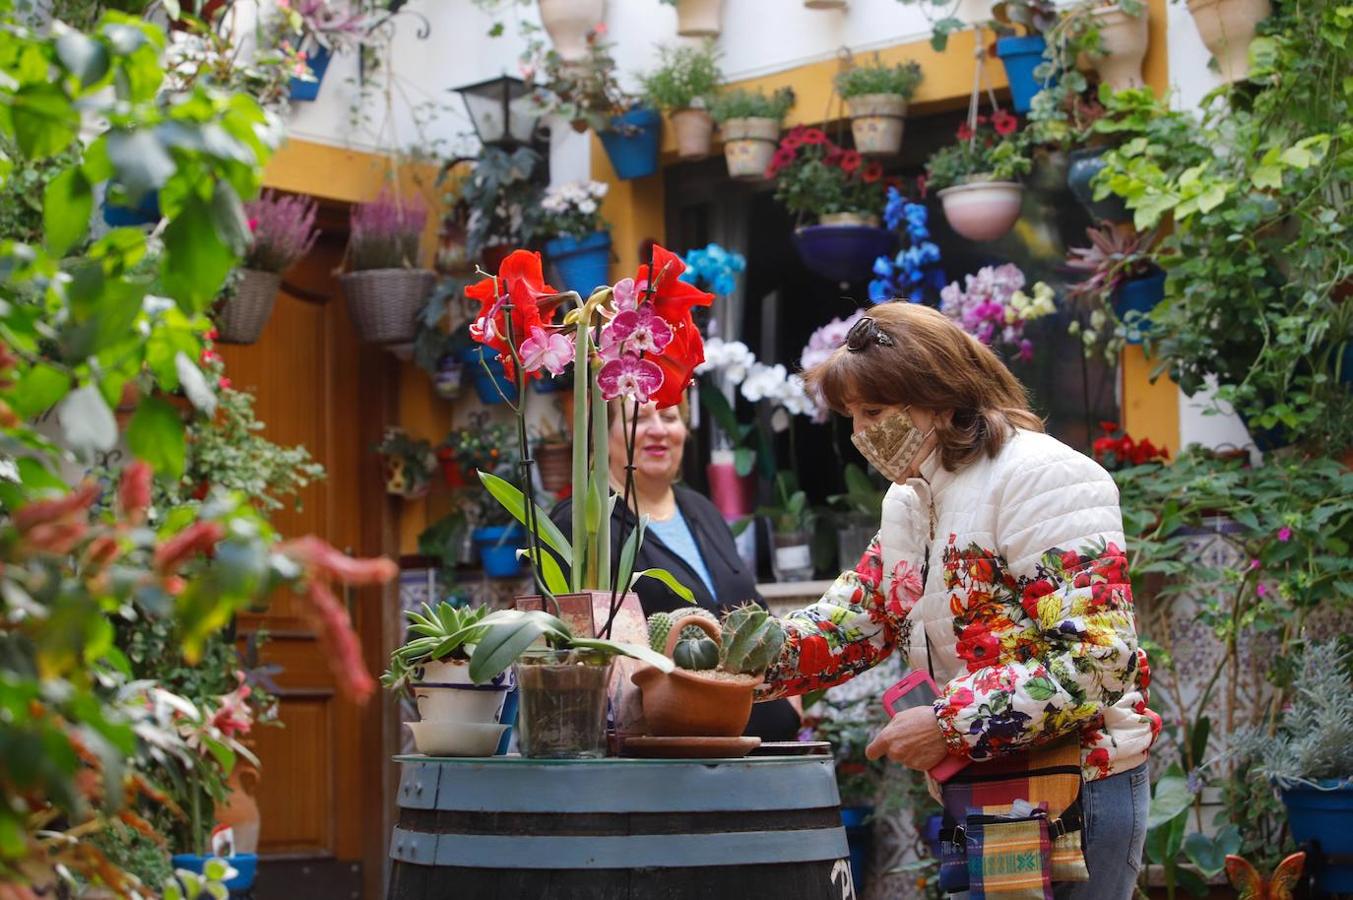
(384, 303)
(241, 316)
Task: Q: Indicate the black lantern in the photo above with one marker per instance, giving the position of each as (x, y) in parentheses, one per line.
(502, 111)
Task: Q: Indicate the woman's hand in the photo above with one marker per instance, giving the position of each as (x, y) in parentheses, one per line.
(913, 738)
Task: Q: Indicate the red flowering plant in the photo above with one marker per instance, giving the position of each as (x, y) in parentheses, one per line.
(814, 177)
(989, 148)
(1114, 449)
(635, 342)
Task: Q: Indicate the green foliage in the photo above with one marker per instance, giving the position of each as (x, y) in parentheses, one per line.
(902, 78)
(687, 76)
(863, 495)
(510, 633)
(502, 198)
(744, 104)
(986, 153)
(790, 514)
(585, 92)
(444, 633)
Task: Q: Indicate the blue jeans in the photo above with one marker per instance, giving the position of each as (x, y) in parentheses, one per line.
(1114, 836)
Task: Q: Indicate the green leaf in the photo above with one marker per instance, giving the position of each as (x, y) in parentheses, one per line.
(44, 121)
(156, 434)
(1267, 177)
(630, 550)
(141, 162)
(1040, 688)
(1204, 853)
(514, 502)
(87, 421)
(666, 578)
(644, 654)
(196, 259)
(509, 633)
(83, 57)
(232, 223)
(67, 204)
(1298, 157)
(744, 460)
(555, 582)
(39, 389)
(1172, 797)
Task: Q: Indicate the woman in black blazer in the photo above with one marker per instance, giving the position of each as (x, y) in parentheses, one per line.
(687, 536)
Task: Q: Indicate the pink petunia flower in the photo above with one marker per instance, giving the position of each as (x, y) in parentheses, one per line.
(629, 376)
(542, 349)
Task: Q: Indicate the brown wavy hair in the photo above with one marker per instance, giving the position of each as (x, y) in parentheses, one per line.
(933, 365)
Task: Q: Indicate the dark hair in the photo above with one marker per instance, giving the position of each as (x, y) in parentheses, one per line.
(932, 364)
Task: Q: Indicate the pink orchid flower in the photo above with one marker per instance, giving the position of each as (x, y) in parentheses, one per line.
(629, 376)
(636, 331)
(627, 293)
(553, 352)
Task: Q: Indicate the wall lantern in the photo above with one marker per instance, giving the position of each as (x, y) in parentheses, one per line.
(502, 111)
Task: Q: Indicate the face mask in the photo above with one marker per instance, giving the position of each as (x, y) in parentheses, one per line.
(892, 446)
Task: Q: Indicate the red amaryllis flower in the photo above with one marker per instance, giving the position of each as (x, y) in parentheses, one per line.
(672, 300)
(1004, 122)
(814, 136)
(872, 172)
(850, 160)
(521, 281)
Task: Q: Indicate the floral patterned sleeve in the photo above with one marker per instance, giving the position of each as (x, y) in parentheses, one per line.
(846, 632)
(1048, 639)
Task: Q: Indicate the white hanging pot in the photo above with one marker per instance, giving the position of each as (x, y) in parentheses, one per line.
(699, 18)
(694, 129)
(1125, 38)
(748, 146)
(568, 21)
(1227, 28)
(876, 121)
(982, 210)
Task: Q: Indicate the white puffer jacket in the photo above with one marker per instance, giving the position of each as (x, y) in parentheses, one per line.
(1008, 581)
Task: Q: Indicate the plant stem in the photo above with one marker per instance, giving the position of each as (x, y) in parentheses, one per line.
(630, 490)
(582, 379)
(525, 461)
(601, 482)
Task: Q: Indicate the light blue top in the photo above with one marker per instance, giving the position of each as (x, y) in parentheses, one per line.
(675, 533)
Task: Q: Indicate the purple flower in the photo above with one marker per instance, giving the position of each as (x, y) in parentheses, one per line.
(629, 376)
(1284, 534)
(1261, 590)
(553, 352)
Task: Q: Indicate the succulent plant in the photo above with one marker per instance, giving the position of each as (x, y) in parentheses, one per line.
(660, 626)
(696, 654)
(752, 639)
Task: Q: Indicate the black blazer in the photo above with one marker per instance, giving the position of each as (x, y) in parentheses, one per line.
(734, 582)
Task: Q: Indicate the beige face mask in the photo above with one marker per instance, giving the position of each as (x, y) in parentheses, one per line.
(892, 446)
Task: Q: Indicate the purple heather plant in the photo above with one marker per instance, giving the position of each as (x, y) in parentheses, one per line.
(384, 234)
(283, 227)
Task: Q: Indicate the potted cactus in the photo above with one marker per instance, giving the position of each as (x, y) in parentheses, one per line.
(283, 231)
(709, 693)
(750, 122)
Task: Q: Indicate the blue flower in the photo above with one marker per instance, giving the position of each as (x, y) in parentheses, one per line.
(714, 268)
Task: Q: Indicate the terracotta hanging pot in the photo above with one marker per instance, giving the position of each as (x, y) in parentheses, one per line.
(1227, 27)
(876, 121)
(694, 132)
(982, 210)
(568, 21)
(699, 18)
(1125, 39)
(748, 146)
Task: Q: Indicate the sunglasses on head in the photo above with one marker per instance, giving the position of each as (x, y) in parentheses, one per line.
(865, 333)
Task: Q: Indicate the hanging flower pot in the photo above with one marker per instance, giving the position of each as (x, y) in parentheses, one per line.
(498, 545)
(317, 60)
(1020, 56)
(983, 210)
(876, 121)
(448, 378)
(632, 143)
(748, 146)
(582, 263)
(493, 385)
(1125, 38)
(554, 461)
(1227, 27)
(699, 18)
(1139, 295)
(843, 246)
(1322, 813)
(384, 303)
(694, 132)
(243, 313)
(1085, 164)
(567, 22)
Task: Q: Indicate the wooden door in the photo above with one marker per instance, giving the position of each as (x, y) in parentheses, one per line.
(322, 795)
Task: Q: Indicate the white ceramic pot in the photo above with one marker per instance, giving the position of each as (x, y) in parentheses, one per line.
(694, 132)
(876, 121)
(848, 218)
(456, 738)
(1227, 28)
(699, 18)
(1125, 39)
(442, 672)
(984, 210)
(460, 702)
(568, 21)
(748, 146)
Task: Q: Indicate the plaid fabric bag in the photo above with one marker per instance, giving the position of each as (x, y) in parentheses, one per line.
(1008, 859)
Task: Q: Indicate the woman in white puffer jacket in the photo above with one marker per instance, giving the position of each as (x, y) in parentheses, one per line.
(999, 568)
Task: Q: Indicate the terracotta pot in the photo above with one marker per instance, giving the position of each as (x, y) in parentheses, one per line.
(568, 21)
(694, 132)
(983, 210)
(699, 18)
(555, 461)
(748, 146)
(1227, 28)
(240, 810)
(1125, 39)
(687, 704)
(876, 121)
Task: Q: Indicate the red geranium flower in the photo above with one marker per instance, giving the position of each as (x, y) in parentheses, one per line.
(964, 132)
(672, 300)
(1003, 122)
(791, 141)
(814, 136)
(521, 280)
(850, 160)
(872, 172)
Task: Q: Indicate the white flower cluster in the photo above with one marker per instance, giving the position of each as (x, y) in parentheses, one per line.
(775, 384)
(730, 359)
(574, 197)
(1023, 306)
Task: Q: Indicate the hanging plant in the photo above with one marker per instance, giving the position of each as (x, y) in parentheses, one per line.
(976, 176)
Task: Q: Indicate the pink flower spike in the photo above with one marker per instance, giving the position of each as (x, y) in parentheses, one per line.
(553, 352)
(629, 376)
(1284, 534)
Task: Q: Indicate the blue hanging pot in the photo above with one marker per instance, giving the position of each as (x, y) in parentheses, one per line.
(146, 211)
(1085, 165)
(583, 263)
(491, 386)
(843, 253)
(1323, 814)
(318, 61)
(498, 545)
(244, 864)
(632, 143)
(1139, 295)
(1020, 56)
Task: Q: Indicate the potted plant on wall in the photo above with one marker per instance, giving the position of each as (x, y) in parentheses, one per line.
(976, 176)
(1227, 28)
(486, 448)
(283, 231)
(408, 464)
(1118, 35)
(698, 18)
(750, 124)
(501, 203)
(683, 86)
(580, 248)
(791, 522)
(876, 97)
(570, 23)
(1120, 276)
(1022, 54)
(384, 286)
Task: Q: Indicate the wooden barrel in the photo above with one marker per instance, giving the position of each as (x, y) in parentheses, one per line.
(508, 828)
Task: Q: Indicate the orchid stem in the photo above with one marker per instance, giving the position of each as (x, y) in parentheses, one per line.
(525, 462)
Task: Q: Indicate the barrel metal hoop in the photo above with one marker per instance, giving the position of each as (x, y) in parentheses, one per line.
(668, 851)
